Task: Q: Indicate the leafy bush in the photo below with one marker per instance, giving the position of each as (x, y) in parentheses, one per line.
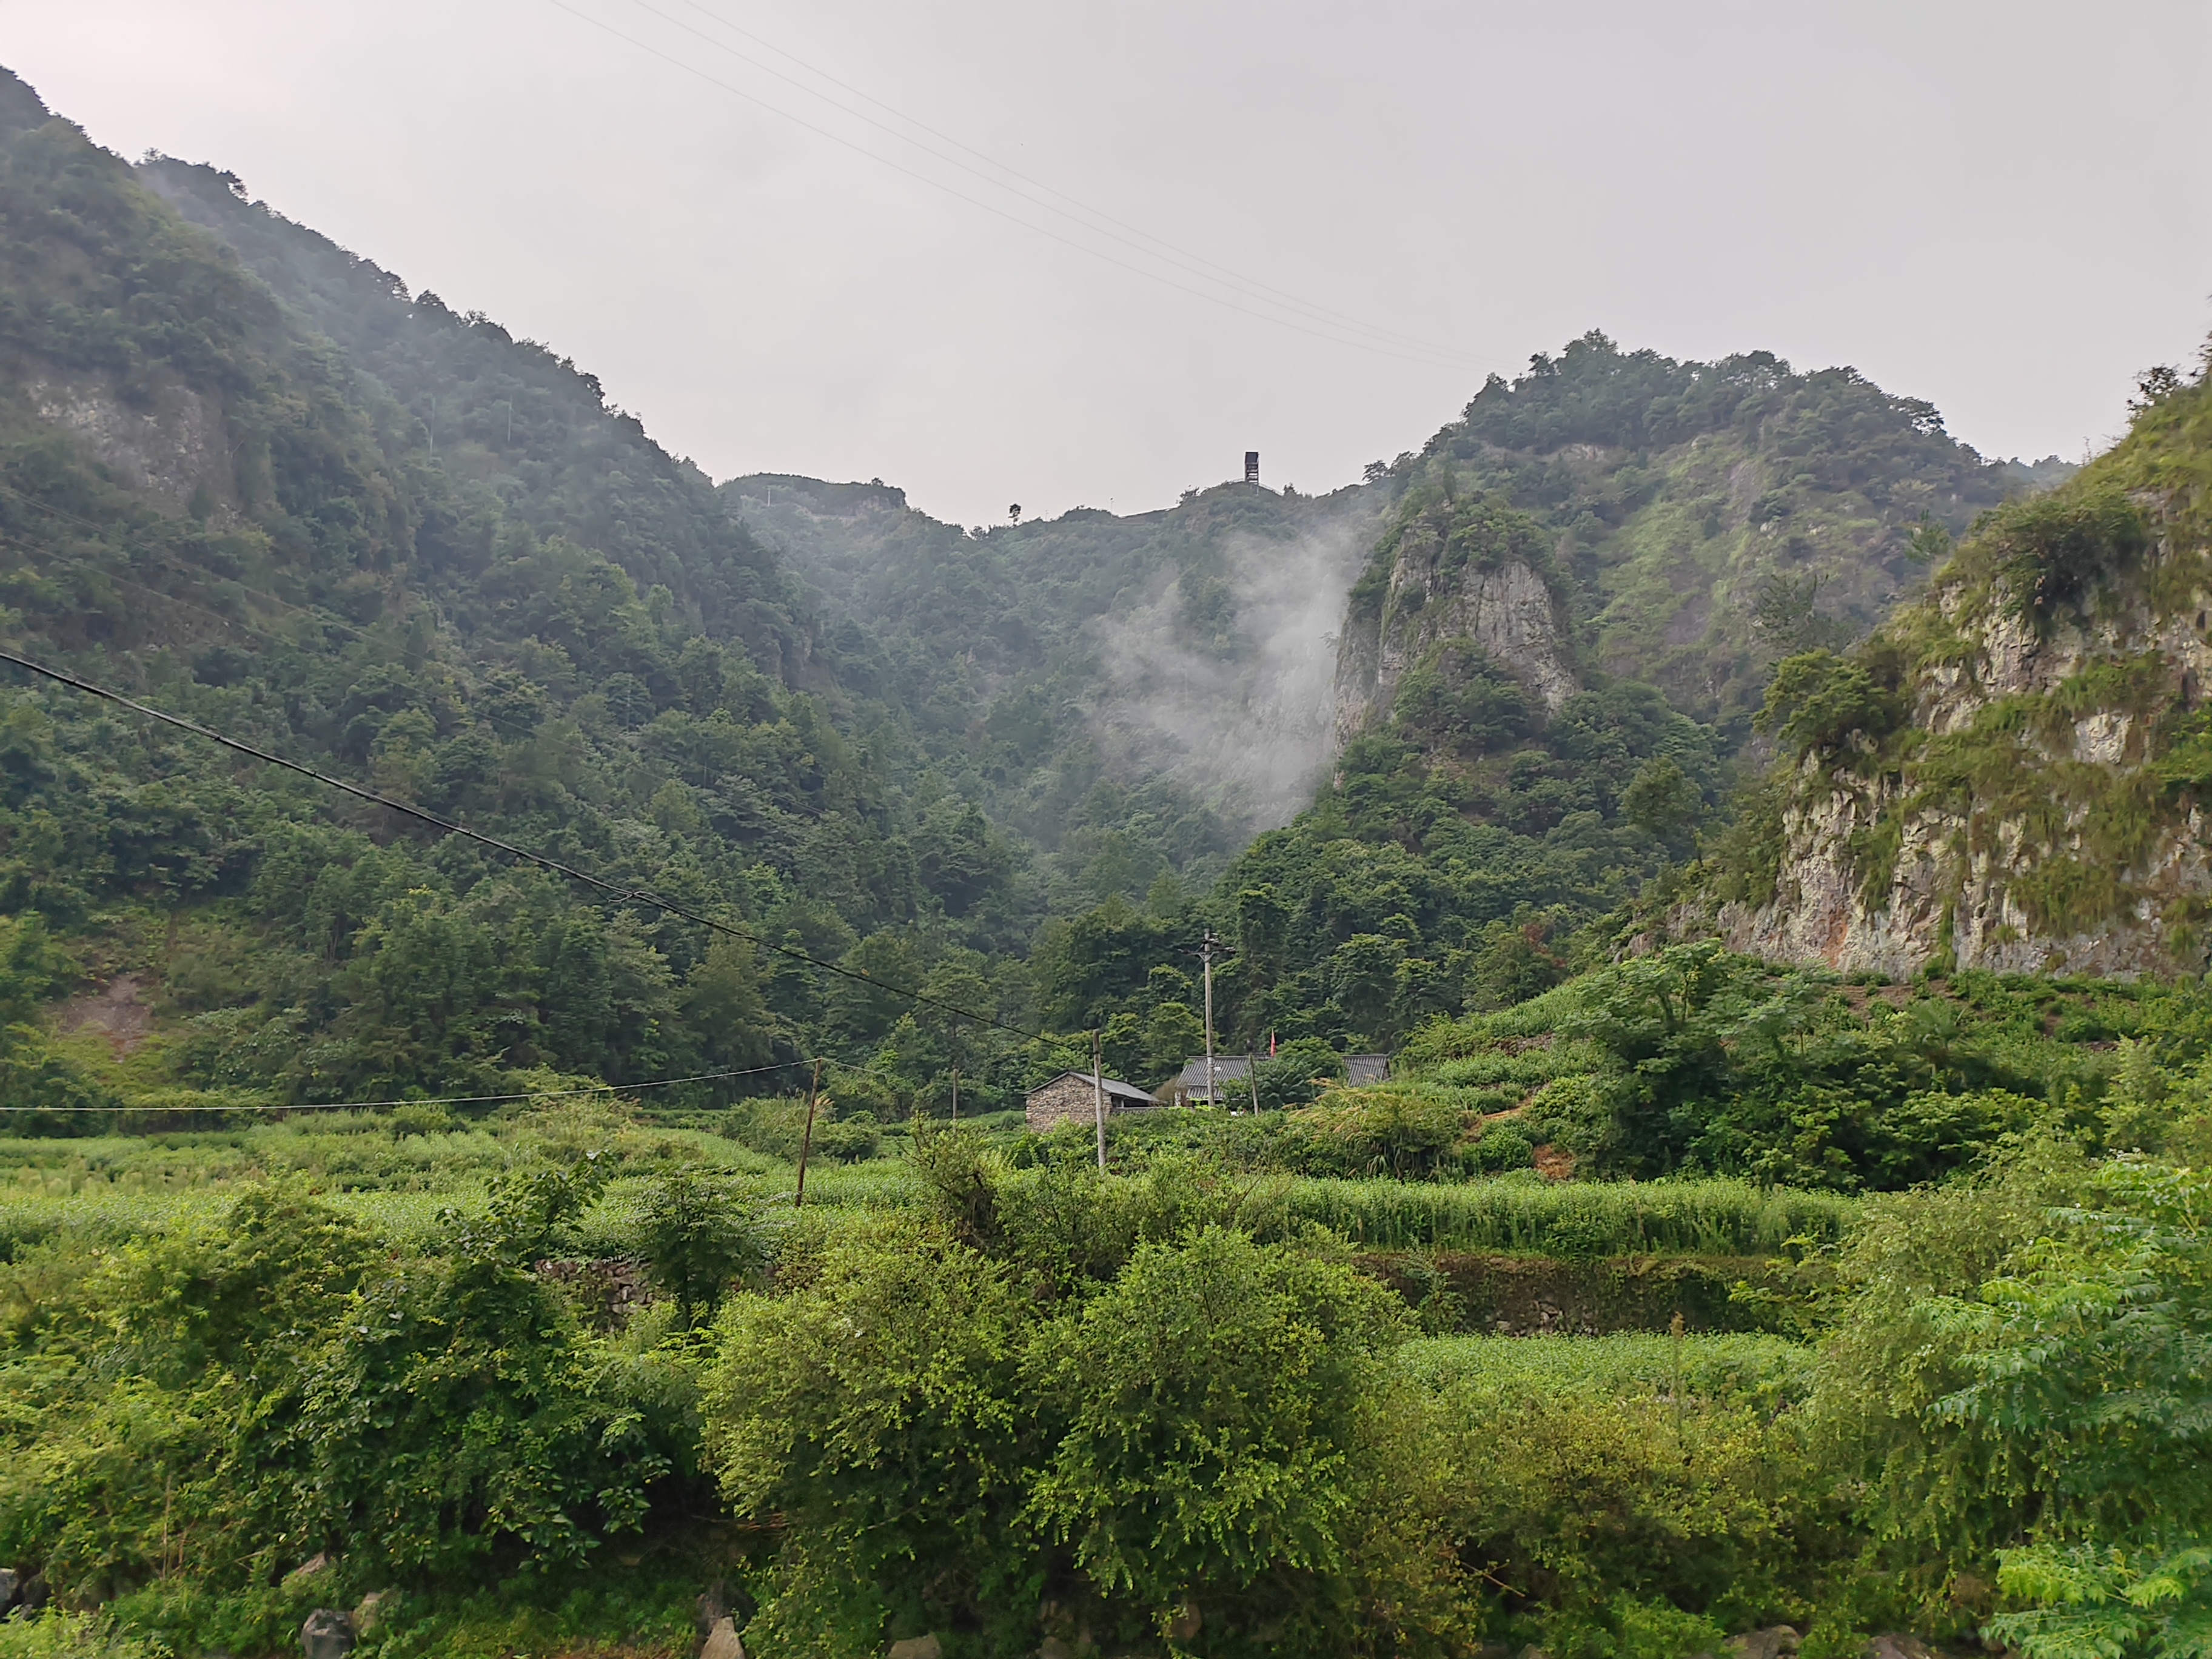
(700, 1233)
(2054, 552)
(1363, 1132)
(1821, 703)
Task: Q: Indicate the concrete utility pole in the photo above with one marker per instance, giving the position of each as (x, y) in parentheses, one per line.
(1206, 946)
(956, 1094)
(1098, 1095)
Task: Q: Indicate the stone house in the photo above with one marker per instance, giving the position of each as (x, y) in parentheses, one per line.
(1232, 1079)
(1071, 1098)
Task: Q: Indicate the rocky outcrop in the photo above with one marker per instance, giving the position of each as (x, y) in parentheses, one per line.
(1502, 604)
(2037, 809)
(167, 446)
(327, 1634)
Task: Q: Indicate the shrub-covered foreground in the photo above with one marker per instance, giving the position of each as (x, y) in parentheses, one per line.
(1161, 1411)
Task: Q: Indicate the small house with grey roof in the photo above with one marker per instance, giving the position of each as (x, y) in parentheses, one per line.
(1072, 1097)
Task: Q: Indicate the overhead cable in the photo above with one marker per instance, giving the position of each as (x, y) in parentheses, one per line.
(1077, 211)
(639, 895)
(1428, 358)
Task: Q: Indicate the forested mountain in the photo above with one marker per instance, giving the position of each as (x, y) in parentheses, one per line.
(1135, 694)
(1865, 1305)
(1710, 515)
(1549, 668)
(246, 475)
(253, 477)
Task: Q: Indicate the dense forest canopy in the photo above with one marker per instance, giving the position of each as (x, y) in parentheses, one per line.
(429, 557)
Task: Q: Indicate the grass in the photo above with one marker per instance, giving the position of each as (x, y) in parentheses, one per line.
(1728, 1366)
(118, 1186)
(1524, 1213)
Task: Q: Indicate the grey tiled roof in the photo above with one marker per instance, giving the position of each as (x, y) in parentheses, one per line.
(1115, 1091)
(1226, 1070)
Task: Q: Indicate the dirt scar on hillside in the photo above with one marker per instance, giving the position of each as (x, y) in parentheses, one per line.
(114, 1010)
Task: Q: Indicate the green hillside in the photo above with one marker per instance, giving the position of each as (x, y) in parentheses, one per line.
(1692, 523)
(1133, 694)
(250, 479)
(1714, 516)
(1663, 1302)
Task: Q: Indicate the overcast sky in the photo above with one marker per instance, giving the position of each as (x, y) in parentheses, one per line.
(1325, 223)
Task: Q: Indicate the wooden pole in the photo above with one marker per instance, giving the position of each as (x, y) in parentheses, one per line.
(1206, 959)
(806, 1139)
(1098, 1095)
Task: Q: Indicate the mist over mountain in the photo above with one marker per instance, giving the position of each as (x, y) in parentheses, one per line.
(1194, 644)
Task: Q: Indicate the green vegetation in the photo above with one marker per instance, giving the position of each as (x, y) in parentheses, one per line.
(1857, 1306)
(435, 562)
(1002, 1397)
(1001, 647)
(1692, 523)
(2075, 766)
(1703, 507)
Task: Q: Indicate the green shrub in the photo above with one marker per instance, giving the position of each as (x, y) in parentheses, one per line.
(1821, 703)
(1360, 1132)
(700, 1232)
(2055, 551)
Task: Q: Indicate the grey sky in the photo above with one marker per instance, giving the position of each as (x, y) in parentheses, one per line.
(2003, 208)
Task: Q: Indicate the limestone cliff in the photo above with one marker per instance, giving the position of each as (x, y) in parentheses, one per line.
(2012, 773)
(1446, 574)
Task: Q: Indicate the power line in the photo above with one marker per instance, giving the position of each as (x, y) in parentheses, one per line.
(1012, 218)
(319, 615)
(1196, 264)
(627, 895)
(525, 732)
(436, 1100)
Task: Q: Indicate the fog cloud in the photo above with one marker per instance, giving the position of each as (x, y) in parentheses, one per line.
(1248, 726)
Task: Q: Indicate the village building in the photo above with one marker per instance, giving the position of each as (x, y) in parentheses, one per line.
(1232, 1079)
(1233, 1082)
(1072, 1097)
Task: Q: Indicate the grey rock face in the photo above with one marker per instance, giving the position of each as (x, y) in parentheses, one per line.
(1508, 611)
(1775, 1641)
(1962, 862)
(327, 1634)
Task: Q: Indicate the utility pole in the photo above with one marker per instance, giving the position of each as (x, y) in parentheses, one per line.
(1252, 1072)
(1098, 1095)
(1206, 946)
(806, 1139)
(956, 1094)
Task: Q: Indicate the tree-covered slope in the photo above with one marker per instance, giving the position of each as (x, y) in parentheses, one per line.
(221, 488)
(1573, 598)
(1135, 693)
(1715, 515)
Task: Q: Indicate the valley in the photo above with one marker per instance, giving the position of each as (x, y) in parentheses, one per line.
(545, 1168)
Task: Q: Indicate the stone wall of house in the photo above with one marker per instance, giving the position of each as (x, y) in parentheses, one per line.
(1070, 1100)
